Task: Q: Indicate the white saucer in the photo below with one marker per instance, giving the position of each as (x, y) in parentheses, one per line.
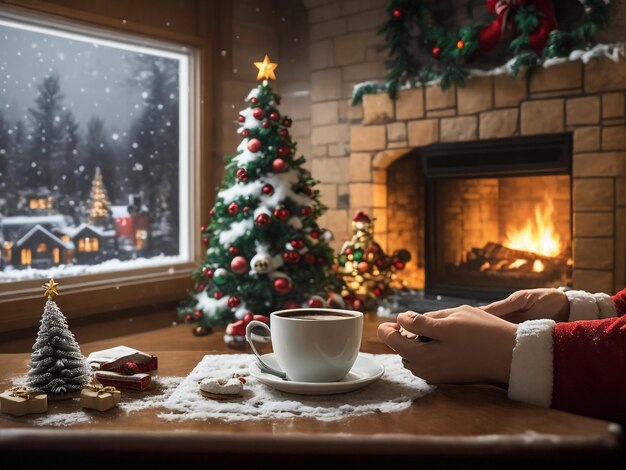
(364, 372)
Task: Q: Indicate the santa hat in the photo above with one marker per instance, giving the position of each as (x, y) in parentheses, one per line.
(361, 216)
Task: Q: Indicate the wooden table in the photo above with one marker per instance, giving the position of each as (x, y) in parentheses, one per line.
(454, 424)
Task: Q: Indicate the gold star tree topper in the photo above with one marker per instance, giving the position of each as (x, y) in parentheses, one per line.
(51, 289)
(266, 69)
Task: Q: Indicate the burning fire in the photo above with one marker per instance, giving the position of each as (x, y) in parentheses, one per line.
(538, 235)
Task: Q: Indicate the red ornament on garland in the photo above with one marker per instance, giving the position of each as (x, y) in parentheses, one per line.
(282, 286)
(233, 250)
(436, 52)
(187, 318)
(254, 145)
(309, 258)
(245, 132)
(283, 151)
(274, 116)
(203, 229)
(233, 302)
(207, 272)
(279, 165)
(287, 122)
(268, 190)
(257, 113)
(205, 240)
(233, 208)
(291, 257)
(254, 100)
(197, 314)
(212, 212)
(242, 174)
(217, 294)
(306, 211)
(282, 213)
(297, 244)
(397, 13)
(239, 265)
(263, 220)
(283, 132)
(315, 234)
(377, 291)
(246, 210)
(362, 266)
(265, 124)
(240, 118)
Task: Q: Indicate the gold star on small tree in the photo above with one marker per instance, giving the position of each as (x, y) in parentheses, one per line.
(51, 289)
(266, 69)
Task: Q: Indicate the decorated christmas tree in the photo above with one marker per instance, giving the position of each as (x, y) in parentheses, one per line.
(99, 204)
(265, 250)
(57, 367)
(368, 273)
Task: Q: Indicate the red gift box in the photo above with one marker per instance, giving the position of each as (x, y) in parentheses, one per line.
(134, 382)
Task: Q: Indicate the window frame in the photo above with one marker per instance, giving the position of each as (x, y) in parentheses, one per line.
(21, 302)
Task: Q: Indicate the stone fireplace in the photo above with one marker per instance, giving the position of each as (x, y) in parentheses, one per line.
(583, 201)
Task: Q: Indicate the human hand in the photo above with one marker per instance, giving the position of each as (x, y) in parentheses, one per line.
(468, 345)
(531, 304)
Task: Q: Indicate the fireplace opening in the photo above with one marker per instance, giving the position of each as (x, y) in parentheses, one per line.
(497, 216)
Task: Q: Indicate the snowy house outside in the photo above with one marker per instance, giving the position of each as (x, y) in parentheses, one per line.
(132, 227)
(40, 249)
(91, 244)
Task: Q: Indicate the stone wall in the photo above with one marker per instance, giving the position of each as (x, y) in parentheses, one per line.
(354, 146)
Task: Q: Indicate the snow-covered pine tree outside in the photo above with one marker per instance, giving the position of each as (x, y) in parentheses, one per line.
(265, 250)
(57, 366)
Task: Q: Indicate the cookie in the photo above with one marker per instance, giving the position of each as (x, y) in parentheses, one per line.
(220, 389)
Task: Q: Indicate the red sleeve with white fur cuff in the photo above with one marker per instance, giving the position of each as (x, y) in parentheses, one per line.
(589, 365)
(530, 380)
(586, 306)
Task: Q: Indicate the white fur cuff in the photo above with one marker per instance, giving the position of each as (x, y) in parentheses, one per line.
(532, 364)
(586, 306)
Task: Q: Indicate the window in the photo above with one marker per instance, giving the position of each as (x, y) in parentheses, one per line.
(125, 277)
(94, 130)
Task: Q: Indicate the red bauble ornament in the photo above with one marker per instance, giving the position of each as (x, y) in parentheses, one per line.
(282, 213)
(254, 100)
(207, 272)
(242, 174)
(398, 264)
(283, 132)
(246, 210)
(297, 244)
(263, 220)
(397, 13)
(233, 208)
(197, 314)
(348, 251)
(315, 234)
(200, 287)
(240, 118)
(245, 133)
(187, 318)
(233, 250)
(239, 265)
(212, 212)
(283, 151)
(315, 302)
(254, 145)
(379, 263)
(233, 302)
(279, 165)
(309, 258)
(308, 191)
(320, 260)
(290, 304)
(274, 116)
(265, 124)
(217, 294)
(282, 286)
(203, 229)
(362, 266)
(268, 189)
(205, 240)
(291, 256)
(376, 291)
(374, 248)
(306, 211)
(287, 122)
(436, 52)
(257, 113)
(357, 304)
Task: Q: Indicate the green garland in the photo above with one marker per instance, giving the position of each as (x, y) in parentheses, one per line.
(452, 51)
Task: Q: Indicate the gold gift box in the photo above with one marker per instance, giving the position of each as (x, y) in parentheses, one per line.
(20, 401)
(97, 397)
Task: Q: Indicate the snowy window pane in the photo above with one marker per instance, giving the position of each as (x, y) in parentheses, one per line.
(92, 154)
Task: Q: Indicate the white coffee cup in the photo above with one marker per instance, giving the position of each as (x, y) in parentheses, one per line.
(312, 344)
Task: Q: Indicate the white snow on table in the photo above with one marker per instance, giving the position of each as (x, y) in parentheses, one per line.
(394, 392)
